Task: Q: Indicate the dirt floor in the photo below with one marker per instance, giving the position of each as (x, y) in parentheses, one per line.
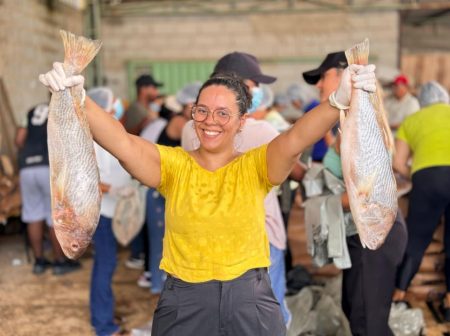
(59, 305)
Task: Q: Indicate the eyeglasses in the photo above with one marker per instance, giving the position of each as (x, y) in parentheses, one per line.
(220, 116)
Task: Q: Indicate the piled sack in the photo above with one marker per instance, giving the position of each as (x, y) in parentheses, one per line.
(10, 200)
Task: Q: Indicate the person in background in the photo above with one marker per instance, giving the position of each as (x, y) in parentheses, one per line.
(367, 286)
(275, 114)
(298, 99)
(254, 134)
(216, 248)
(114, 183)
(424, 137)
(34, 171)
(281, 102)
(139, 114)
(401, 103)
(265, 103)
(147, 105)
(167, 134)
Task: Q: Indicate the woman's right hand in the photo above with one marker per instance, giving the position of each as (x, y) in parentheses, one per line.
(56, 80)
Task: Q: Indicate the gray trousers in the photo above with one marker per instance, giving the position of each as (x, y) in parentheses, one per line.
(245, 306)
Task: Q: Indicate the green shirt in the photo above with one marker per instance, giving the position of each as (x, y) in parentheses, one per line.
(427, 133)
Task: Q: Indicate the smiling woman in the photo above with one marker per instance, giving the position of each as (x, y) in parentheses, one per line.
(216, 250)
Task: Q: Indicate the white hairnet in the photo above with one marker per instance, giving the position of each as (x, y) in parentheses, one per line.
(432, 93)
(295, 92)
(102, 96)
(267, 100)
(281, 99)
(188, 94)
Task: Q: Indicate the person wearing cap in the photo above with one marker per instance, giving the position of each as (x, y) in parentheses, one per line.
(368, 285)
(402, 103)
(114, 182)
(146, 107)
(298, 99)
(216, 251)
(255, 133)
(167, 134)
(424, 138)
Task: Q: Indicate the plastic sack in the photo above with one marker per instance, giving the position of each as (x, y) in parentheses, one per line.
(313, 181)
(405, 321)
(129, 215)
(315, 312)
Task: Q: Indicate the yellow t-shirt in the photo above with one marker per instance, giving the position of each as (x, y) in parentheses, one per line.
(214, 220)
(427, 132)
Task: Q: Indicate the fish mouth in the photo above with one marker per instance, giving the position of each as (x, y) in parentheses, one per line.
(73, 250)
(73, 243)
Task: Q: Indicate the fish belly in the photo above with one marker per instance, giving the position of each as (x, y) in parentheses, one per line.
(74, 174)
(367, 170)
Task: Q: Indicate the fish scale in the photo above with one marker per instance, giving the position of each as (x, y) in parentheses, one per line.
(74, 176)
(366, 143)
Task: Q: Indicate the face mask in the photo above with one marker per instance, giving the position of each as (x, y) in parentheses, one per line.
(155, 107)
(118, 109)
(257, 97)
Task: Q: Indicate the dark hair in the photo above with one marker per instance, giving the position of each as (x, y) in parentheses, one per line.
(235, 84)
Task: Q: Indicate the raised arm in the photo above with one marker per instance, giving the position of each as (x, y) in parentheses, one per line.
(139, 157)
(284, 150)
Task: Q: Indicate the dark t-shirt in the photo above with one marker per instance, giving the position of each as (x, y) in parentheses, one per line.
(35, 150)
(134, 116)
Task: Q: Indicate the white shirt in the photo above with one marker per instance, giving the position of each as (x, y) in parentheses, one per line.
(398, 110)
(112, 173)
(255, 133)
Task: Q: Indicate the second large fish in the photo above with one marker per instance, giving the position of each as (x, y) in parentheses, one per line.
(74, 176)
(366, 148)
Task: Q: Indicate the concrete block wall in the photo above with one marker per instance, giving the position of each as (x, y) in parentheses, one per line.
(29, 43)
(287, 44)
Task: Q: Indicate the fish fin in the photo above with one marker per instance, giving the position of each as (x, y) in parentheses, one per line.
(382, 120)
(365, 187)
(78, 51)
(359, 53)
(341, 120)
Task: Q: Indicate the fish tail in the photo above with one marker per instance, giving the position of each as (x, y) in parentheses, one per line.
(359, 53)
(78, 51)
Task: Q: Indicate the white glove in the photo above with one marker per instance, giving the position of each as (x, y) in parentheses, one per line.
(126, 191)
(55, 80)
(362, 76)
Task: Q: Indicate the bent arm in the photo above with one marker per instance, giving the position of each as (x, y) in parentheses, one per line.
(285, 149)
(401, 157)
(21, 136)
(139, 157)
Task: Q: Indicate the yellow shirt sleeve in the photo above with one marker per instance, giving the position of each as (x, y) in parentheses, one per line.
(172, 160)
(259, 156)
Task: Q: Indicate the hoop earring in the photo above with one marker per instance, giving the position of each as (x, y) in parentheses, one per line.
(195, 143)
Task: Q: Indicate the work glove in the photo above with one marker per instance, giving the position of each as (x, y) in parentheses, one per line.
(126, 191)
(361, 76)
(56, 80)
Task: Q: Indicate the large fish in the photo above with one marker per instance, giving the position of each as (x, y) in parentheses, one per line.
(74, 175)
(366, 147)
